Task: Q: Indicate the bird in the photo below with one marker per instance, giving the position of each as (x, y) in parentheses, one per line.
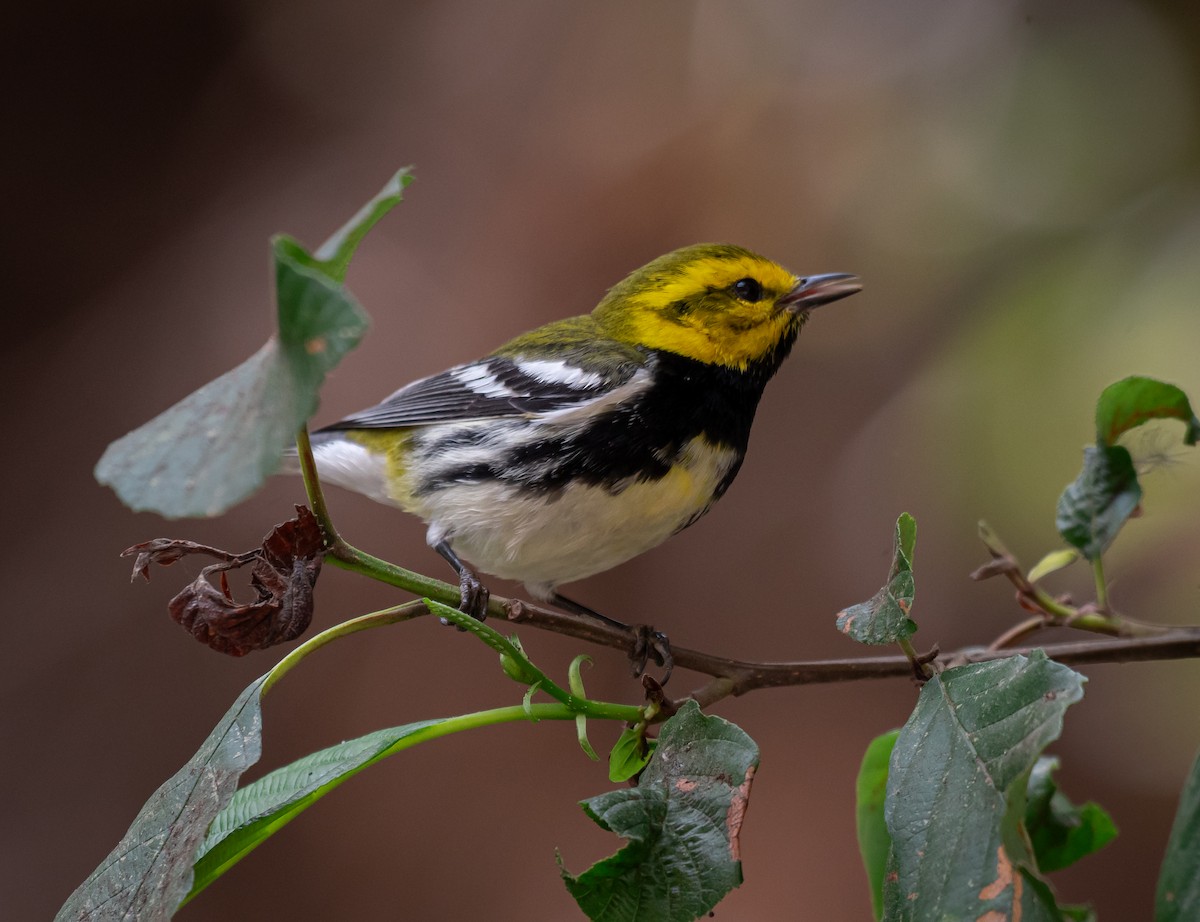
(589, 440)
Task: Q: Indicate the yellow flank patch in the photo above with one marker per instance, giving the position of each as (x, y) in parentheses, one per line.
(682, 486)
(687, 488)
(393, 445)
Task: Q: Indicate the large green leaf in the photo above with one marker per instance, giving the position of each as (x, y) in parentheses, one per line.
(218, 445)
(1133, 401)
(149, 873)
(1093, 508)
(682, 822)
(1060, 832)
(956, 791)
(883, 618)
(1178, 897)
(874, 840)
(261, 809)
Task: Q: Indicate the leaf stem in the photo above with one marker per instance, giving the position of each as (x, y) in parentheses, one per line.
(1049, 604)
(351, 558)
(1101, 583)
(312, 486)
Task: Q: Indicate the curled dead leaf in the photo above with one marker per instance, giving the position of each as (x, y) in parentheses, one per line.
(284, 570)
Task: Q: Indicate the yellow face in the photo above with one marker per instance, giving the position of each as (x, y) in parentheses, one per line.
(717, 304)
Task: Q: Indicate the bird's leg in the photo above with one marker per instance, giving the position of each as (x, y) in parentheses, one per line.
(648, 643)
(473, 595)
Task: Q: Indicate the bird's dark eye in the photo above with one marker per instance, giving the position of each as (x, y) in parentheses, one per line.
(748, 289)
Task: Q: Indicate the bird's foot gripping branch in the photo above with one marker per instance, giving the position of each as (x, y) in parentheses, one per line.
(958, 812)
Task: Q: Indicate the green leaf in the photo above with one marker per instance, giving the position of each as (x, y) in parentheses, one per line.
(1093, 508)
(956, 791)
(629, 754)
(1055, 560)
(1062, 833)
(516, 669)
(217, 446)
(1133, 401)
(149, 873)
(334, 254)
(884, 617)
(319, 322)
(682, 822)
(210, 450)
(259, 810)
(1178, 896)
(874, 841)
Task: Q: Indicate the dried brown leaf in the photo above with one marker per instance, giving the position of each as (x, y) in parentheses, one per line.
(284, 570)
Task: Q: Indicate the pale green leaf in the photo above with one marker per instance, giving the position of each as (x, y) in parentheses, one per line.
(1055, 560)
(217, 446)
(148, 875)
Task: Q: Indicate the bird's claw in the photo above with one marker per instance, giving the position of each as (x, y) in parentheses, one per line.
(473, 597)
(650, 644)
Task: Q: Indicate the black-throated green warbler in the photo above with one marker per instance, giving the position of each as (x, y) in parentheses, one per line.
(589, 440)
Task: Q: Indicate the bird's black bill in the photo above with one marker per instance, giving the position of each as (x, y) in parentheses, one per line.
(816, 290)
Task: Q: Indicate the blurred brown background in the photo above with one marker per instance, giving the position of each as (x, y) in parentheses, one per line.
(1017, 184)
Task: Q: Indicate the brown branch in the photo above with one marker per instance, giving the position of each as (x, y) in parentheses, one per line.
(736, 677)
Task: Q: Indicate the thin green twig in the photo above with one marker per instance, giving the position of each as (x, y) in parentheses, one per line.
(1101, 583)
(375, 619)
(348, 557)
(312, 486)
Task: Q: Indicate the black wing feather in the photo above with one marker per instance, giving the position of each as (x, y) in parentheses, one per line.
(494, 387)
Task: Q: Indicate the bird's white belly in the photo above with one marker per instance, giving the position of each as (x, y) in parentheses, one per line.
(547, 539)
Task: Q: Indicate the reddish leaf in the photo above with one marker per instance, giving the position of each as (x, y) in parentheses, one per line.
(283, 573)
